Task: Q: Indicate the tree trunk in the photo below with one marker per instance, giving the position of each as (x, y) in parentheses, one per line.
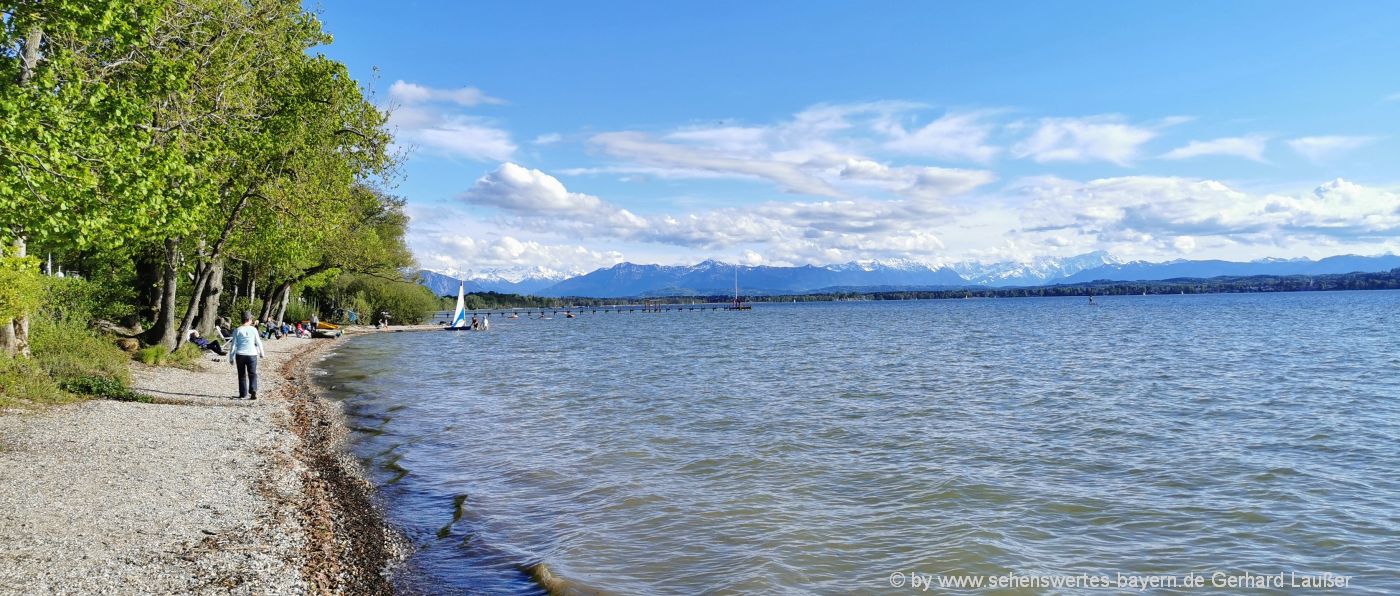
(21, 323)
(209, 311)
(9, 339)
(31, 55)
(149, 280)
(251, 279)
(14, 337)
(166, 331)
(202, 278)
(282, 304)
(268, 302)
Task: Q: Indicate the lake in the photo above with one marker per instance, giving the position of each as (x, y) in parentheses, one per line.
(824, 447)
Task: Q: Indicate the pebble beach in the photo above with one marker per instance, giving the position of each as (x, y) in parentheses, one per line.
(197, 493)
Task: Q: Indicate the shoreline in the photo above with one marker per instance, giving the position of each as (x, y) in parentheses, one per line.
(352, 548)
(197, 492)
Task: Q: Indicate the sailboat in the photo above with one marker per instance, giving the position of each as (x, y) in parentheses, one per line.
(459, 316)
(737, 304)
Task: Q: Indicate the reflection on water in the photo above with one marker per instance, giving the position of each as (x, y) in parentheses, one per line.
(820, 447)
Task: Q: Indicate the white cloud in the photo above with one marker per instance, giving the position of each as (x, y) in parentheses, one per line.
(1326, 148)
(533, 193)
(953, 136)
(1133, 217)
(548, 139)
(540, 203)
(456, 252)
(820, 151)
(420, 119)
(915, 181)
(410, 93)
(465, 137)
(1162, 211)
(1250, 147)
(643, 149)
(1107, 138)
(1393, 97)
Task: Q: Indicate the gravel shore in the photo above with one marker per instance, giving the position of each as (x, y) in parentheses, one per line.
(200, 493)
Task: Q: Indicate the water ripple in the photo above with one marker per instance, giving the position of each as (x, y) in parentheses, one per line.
(817, 448)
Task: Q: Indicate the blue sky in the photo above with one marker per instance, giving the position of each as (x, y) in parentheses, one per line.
(568, 136)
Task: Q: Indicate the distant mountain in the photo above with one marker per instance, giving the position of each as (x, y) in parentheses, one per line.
(505, 281)
(710, 278)
(1038, 271)
(1145, 271)
(444, 285)
(716, 278)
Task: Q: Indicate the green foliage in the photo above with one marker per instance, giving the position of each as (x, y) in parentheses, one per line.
(21, 285)
(104, 388)
(297, 311)
(211, 124)
(77, 164)
(23, 383)
(153, 355)
(81, 300)
(241, 305)
(490, 300)
(406, 302)
(183, 357)
(66, 349)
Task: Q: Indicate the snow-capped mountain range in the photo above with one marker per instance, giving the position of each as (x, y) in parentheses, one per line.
(716, 278)
(1037, 271)
(528, 280)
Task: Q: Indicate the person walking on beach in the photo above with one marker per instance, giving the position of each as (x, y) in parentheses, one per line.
(245, 349)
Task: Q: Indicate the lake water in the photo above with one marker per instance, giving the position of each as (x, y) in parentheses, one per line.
(822, 447)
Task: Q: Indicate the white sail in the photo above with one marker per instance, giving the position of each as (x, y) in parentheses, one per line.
(459, 316)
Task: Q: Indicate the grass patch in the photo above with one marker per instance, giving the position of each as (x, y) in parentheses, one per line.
(68, 350)
(186, 356)
(152, 355)
(103, 388)
(23, 383)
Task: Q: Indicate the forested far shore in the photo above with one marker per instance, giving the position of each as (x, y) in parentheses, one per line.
(1385, 280)
(168, 164)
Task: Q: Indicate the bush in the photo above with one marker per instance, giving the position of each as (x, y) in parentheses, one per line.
(81, 300)
(24, 383)
(103, 388)
(152, 356)
(21, 286)
(235, 310)
(183, 357)
(297, 311)
(68, 350)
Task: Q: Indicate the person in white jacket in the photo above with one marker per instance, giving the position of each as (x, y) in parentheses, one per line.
(245, 349)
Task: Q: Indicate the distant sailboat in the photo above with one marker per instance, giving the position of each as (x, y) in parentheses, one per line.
(459, 316)
(738, 304)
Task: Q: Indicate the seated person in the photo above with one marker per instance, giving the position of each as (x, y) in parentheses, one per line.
(204, 344)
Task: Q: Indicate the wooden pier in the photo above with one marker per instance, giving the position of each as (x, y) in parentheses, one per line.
(600, 310)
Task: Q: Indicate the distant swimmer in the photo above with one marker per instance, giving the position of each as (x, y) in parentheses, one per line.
(1092, 302)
